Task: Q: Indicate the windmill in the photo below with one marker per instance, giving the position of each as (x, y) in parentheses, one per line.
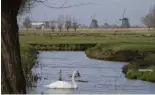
(106, 25)
(125, 21)
(94, 22)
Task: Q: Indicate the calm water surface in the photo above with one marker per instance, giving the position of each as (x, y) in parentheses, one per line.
(102, 76)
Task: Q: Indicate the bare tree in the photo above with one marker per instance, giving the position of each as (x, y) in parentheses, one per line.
(60, 22)
(68, 23)
(27, 23)
(153, 15)
(149, 19)
(52, 25)
(75, 25)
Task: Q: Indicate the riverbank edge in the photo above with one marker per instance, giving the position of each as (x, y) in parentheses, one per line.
(95, 51)
(62, 47)
(138, 59)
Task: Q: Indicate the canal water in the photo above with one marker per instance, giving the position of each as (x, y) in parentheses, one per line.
(104, 77)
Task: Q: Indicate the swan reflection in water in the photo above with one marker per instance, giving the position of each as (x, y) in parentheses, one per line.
(61, 91)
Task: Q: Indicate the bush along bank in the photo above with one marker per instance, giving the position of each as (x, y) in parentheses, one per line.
(62, 47)
(137, 58)
(132, 70)
(28, 56)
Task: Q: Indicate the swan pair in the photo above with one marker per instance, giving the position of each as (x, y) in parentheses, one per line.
(64, 84)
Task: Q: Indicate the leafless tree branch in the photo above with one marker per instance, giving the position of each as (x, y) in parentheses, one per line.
(62, 7)
(64, 3)
(40, 0)
(26, 6)
(29, 4)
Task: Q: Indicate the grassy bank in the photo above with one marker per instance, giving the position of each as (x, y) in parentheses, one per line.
(62, 47)
(121, 51)
(138, 56)
(131, 46)
(132, 70)
(28, 56)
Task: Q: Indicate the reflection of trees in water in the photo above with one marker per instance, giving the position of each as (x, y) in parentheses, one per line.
(135, 86)
(115, 83)
(33, 77)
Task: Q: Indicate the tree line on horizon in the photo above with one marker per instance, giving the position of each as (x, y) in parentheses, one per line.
(61, 22)
(67, 22)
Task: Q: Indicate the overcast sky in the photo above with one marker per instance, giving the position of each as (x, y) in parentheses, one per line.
(107, 10)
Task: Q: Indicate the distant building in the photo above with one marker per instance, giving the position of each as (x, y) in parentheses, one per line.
(37, 24)
(40, 24)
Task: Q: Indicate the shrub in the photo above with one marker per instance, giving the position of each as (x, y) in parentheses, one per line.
(132, 74)
(150, 60)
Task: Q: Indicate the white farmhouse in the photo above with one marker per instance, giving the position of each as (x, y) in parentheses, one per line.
(36, 24)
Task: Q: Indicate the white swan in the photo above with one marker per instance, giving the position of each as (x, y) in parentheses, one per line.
(63, 84)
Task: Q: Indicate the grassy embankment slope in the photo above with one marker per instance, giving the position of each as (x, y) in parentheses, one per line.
(135, 46)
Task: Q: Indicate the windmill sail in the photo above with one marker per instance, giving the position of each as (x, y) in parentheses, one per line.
(125, 21)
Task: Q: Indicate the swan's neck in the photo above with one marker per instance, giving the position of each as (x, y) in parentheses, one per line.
(73, 79)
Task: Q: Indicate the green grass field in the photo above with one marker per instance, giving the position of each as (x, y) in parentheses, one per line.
(102, 37)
